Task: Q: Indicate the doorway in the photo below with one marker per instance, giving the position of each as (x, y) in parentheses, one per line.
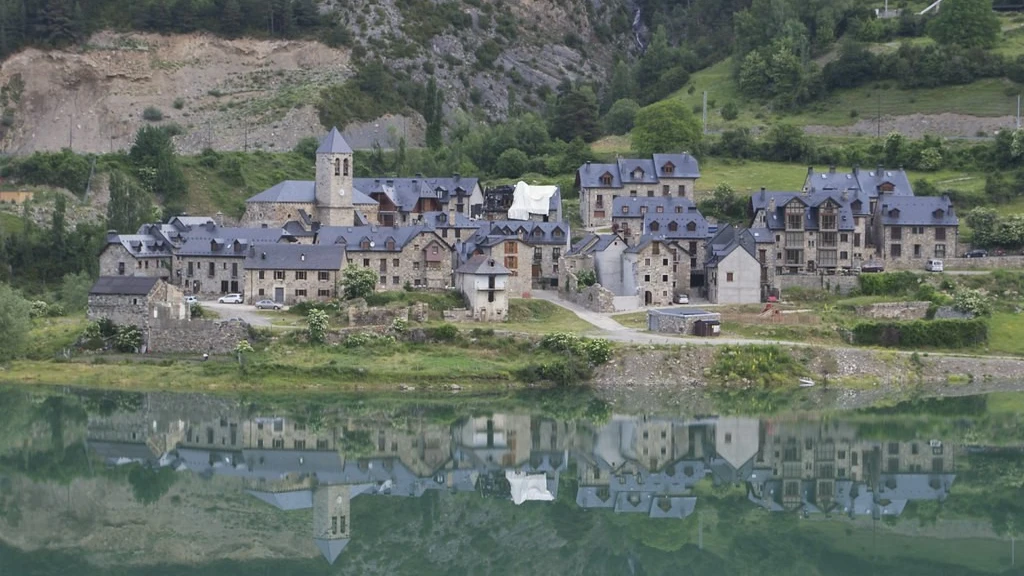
(279, 295)
(648, 298)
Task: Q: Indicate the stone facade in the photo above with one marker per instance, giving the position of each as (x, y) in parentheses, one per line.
(895, 311)
(209, 275)
(424, 262)
(274, 214)
(989, 263)
(294, 285)
(196, 336)
(799, 250)
(596, 202)
(486, 294)
(916, 242)
(658, 271)
(334, 187)
(667, 322)
(359, 314)
(116, 260)
(164, 302)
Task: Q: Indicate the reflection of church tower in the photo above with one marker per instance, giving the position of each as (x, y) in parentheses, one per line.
(331, 520)
(334, 172)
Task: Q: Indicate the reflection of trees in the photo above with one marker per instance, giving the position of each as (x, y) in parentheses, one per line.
(106, 402)
(149, 485)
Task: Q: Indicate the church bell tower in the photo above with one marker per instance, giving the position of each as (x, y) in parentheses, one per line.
(334, 181)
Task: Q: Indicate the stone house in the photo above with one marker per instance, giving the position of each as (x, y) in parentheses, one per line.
(733, 272)
(915, 227)
(506, 203)
(600, 253)
(657, 270)
(415, 256)
(210, 259)
(452, 226)
(530, 250)
(661, 175)
(292, 273)
(136, 255)
(337, 198)
(482, 281)
(135, 301)
(827, 231)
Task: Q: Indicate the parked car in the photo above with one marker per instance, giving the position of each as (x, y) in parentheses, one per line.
(191, 300)
(268, 305)
(933, 265)
(872, 266)
(977, 254)
(683, 299)
(230, 299)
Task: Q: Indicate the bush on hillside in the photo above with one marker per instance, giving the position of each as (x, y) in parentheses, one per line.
(922, 334)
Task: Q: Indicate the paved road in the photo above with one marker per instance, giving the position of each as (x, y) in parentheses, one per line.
(246, 312)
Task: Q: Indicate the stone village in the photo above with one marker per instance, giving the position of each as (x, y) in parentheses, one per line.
(644, 242)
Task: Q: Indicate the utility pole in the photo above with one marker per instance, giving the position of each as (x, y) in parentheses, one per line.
(704, 109)
(1018, 111)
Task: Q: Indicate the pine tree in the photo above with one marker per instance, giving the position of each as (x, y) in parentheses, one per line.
(159, 16)
(55, 25)
(433, 115)
(183, 16)
(129, 205)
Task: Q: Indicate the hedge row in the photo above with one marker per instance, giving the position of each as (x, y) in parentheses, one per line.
(922, 333)
(887, 283)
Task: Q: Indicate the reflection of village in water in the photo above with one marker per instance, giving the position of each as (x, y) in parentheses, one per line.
(629, 465)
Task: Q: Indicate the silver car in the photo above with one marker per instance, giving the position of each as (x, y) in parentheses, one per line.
(268, 305)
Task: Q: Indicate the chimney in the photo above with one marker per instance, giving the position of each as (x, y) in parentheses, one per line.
(845, 195)
(856, 169)
(263, 256)
(211, 226)
(831, 168)
(220, 218)
(763, 193)
(880, 170)
(252, 250)
(810, 170)
(456, 176)
(587, 166)
(771, 204)
(112, 236)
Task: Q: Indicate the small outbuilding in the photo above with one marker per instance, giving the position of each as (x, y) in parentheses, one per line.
(690, 321)
(135, 300)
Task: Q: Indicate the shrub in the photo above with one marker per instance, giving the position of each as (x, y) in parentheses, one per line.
(316, 325)
(399, 326)
(197, 311)
(128, 339)
(594, 350)
(359, 282)
(444, 333)
(730, 111)
(243, 347)
(757, 366)
(922, 333)
(179, 103)
(561, 372)
(888, 283)
(586, 278)
(38, 309)
(152, 114)
(360, 339)
(303, 308)
(972, 301)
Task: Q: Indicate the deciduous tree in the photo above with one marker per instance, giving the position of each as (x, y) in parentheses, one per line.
(666, 126)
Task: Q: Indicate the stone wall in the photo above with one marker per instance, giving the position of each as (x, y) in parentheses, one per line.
(816, 282)
(229, 269)
(274, 213)
(196, 336)
(359, 314)
(895, 310)
(990, 263)
(659, 321)
(459, 315)
(595, 298)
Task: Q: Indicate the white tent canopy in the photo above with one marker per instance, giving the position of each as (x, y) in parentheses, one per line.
(530, 200)
(528, 487)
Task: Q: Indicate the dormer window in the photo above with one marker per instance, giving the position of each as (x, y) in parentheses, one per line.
(537, 232)
(625, 209)
(939, 213)
(606, 179)
(655, 226)
(659, 209)
(691, 227)
(668, 168)
(390, 244)
(365, 244)
(856, 206)
(673, 226)
(643, 209)
(894, 213)
(638, 174)
(679, 209)
(558, 233)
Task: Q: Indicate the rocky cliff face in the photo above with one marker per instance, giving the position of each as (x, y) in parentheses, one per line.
(262, 94)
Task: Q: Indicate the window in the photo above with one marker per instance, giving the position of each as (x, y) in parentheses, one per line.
(656, 248)
(844, 255)
(940, 233)
(337, 167)
(647, 261)
(664, 190)
(673, 226)
(918, 230)
(211, 270)
(659, 209)
(844, 237)
(416, 266)
(324, 276)
(556, 253)
(895, 251)
(682, 189)
(664, 277)
(366, 262)
(856, 240)
(278, 443)
(728, 276)
(599, 202)
(917, 250)
(664, 261)
(691, 226)
(345, 171)
(383, 279)
(632, 193)
(606, 179)
(299, 444)
(300, 274)
(895, 233)
(300, 293)
(323, 293)
(650, 193)
(940, 250)
(260, 292)
(655, 226)
(262, 275)
(278, 274)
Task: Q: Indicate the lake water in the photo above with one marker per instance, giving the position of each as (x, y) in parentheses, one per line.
(141, 484)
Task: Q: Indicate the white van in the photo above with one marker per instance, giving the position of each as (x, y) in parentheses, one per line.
(933, 265)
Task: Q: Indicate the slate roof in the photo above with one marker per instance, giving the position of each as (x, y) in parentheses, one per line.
(141, 245)
(776, 220)
(124, 285)
(378, 236)
(300, 191)
(591, 243)
(295, 257)
(727, 240)
(646, 240)
(334, 143)
(866, 181)
(917, 211)
(682, 223)
(115, 452)
(442, 220)
(640, 206)
(482, 264)
(331, 549)
(623, 170)
(406, 192)
(211, 240)
(762, 235)
(490, 233)
(291, 500)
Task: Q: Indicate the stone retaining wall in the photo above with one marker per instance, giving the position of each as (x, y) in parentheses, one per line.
(816, 282)
(196, 336)
(359, 314)
(895, 310)
(990, 263)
